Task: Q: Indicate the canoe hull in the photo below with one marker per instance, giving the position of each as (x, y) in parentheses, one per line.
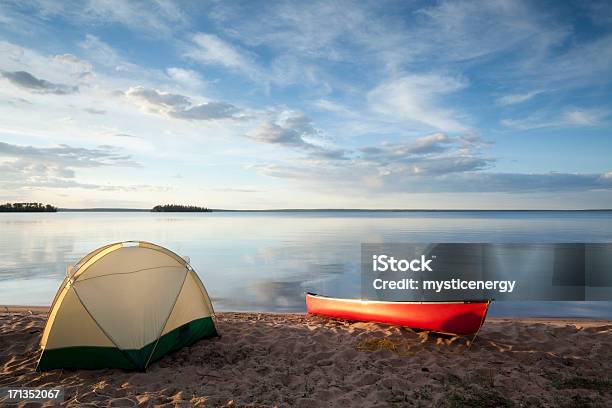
(462, 317)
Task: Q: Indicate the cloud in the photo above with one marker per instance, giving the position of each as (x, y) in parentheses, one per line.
(416, 98)
(29, 82)
(68, 155)
(180, 106)
(157, 17)
(334, 107)
(514, 99)
(157, 101)
(524, 183)
(429, 164)
(569, 69)
(394, 167)
(24, 175)
(104, 54)
(186, 77)
(570, 117)
(455, 178)
(584, 117)
(296, 131)
(600, 11)
(428, 144)
(95, 111)
(237, 190)
(207, 111)
(27, 167)
(78, 66)
(429, 155)
(209, 49)
(290, 132)
(468, 30)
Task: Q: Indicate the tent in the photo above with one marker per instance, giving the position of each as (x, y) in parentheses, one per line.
(123, 306)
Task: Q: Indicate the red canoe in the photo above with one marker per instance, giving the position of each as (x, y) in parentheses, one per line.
(456, 317)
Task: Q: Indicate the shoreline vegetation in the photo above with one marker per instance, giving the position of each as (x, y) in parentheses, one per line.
(27, 207)
(39, 207)
(344, 210)
(179, 208)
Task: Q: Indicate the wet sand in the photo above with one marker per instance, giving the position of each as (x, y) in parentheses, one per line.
(265, 359)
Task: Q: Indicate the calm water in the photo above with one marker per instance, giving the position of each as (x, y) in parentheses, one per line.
(266, 261)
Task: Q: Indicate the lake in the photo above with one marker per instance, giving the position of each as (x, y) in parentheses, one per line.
(265, 261)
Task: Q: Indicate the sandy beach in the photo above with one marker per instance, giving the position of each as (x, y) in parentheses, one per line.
(265, 359)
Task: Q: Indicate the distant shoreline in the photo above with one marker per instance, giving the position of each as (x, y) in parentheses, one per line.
(306, 210)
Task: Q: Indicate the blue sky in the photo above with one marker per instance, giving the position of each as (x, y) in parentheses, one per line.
(450, 104)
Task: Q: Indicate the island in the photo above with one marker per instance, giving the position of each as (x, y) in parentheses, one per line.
(179, 208)
(27, 207)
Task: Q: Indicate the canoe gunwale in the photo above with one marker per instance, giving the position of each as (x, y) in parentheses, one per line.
(467, 301)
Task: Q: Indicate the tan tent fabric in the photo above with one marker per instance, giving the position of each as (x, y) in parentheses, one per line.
(186, 309)
(143, 312)
(64, 335)
(125, 303)
(128, 260)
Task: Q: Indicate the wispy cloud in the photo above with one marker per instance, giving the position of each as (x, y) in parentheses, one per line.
(180, 106)
(158, 17)
(586, 117)
(76, 65)
(95, 111)
(570, 117)
(209, 49)
(454, 178)
(435, 143)
(69, 156)
(29, 82)
(27, 167)
(514, 99)
(416, 98)
(185, 77)
(105, 55)
(295, 131)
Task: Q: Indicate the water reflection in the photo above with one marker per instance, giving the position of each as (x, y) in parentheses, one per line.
(266, 261)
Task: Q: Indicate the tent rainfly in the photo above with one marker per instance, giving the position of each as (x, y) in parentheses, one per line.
(123, 306)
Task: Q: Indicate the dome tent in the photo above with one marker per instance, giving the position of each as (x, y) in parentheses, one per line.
(123, 306)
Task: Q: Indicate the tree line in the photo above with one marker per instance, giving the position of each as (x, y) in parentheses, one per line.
(179, 208)
(27, 207)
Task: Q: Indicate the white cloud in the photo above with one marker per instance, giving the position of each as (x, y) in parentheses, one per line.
(158, 17)
(514, 99)
(211, 50)
(571, 117)
(418, 99)
(53, 167)
(337, 108)
(465, 30)
(584, 117)
(461, 175)
(66, 69)
(185, 77)
(103, 54)
(179, 106)
(77, 66)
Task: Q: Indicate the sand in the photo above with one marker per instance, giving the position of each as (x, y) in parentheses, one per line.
(265, 359)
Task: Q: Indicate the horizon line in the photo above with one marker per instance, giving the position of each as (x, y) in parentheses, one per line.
(120, 209)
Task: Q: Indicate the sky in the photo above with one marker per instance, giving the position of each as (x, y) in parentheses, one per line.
(273, 104)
